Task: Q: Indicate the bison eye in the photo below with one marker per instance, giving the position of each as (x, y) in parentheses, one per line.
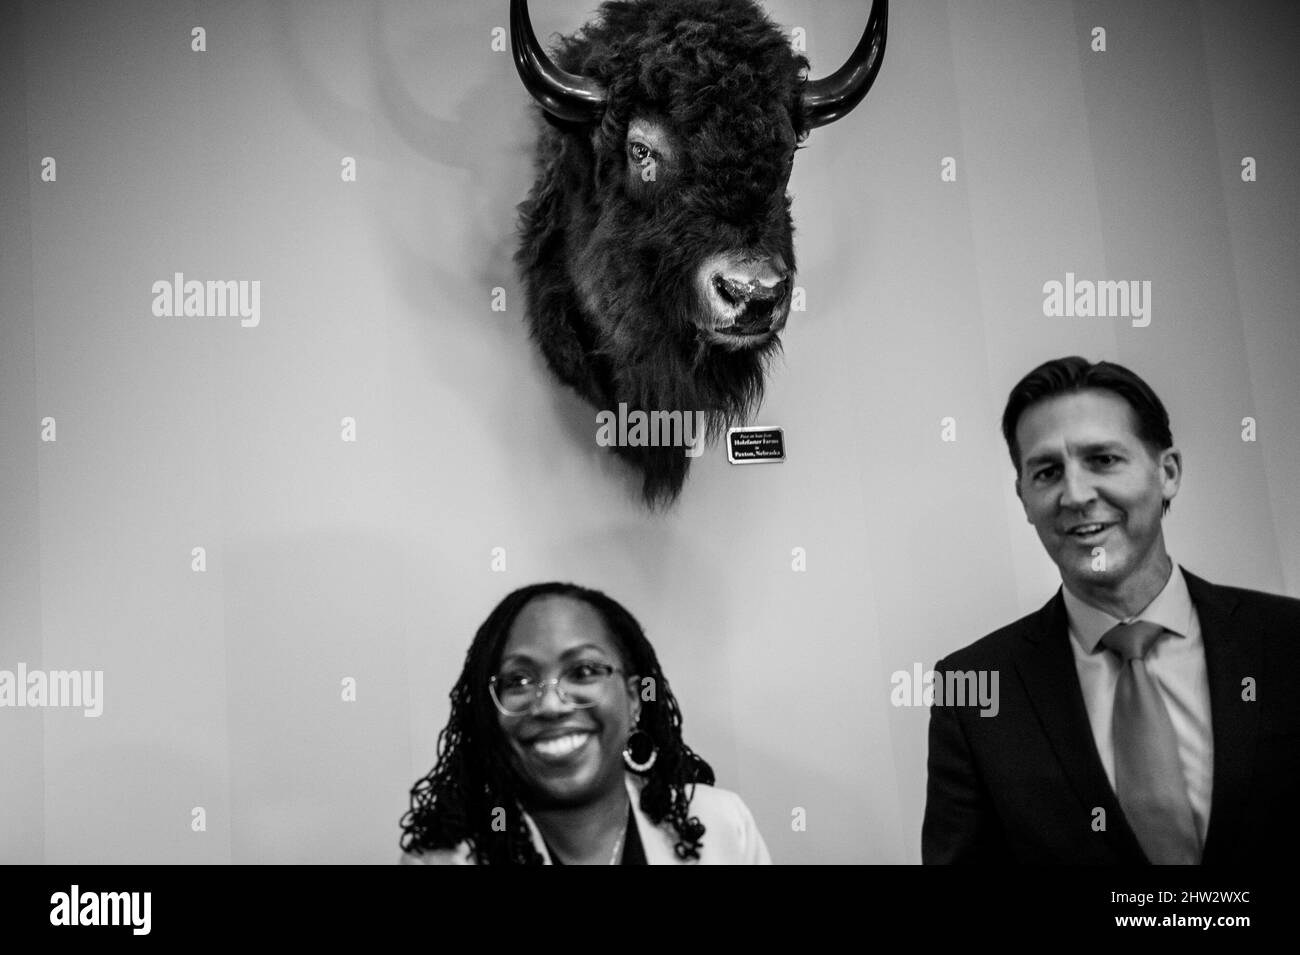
(639, 152)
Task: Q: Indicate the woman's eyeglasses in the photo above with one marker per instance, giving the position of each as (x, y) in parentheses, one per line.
(580, 686)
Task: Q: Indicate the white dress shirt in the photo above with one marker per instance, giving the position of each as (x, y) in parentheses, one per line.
(1177, 667)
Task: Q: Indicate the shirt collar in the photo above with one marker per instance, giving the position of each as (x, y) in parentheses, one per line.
(1171, 608)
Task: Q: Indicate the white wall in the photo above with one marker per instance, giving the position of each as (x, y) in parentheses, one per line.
(371, 560)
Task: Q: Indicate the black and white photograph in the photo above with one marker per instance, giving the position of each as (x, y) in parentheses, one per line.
(651, 432)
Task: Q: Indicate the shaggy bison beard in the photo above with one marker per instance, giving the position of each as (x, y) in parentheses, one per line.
(614, 307)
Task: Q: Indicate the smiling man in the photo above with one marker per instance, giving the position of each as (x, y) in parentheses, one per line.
(1146, 715)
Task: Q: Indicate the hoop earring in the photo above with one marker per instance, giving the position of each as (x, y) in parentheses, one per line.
(630, 760)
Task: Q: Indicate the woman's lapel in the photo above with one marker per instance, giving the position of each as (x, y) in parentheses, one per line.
(656, 842)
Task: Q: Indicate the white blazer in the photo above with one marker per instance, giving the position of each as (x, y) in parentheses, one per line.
(730, 835)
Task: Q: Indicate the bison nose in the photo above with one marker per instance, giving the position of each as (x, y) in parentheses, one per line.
(748, 279)
(745, 295)
(741, 290)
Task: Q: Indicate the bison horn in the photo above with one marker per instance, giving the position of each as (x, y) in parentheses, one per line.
(564, 95)
(831, 98)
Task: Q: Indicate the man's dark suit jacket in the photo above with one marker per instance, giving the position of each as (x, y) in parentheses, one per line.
(1022, 786)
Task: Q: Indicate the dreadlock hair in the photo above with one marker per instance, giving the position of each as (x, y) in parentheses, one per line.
(462, 797)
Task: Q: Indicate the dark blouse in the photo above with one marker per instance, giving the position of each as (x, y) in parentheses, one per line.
(633, 851)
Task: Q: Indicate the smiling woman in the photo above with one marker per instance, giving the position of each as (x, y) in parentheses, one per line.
(564, 746)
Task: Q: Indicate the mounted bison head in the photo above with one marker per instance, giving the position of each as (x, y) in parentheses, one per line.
(656, 244)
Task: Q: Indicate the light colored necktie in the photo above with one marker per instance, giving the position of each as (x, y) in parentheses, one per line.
(1149, 777)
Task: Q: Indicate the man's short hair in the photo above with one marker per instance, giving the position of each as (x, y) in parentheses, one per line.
(1064, 376)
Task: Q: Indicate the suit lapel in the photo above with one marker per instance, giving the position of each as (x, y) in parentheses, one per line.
(655, 842)
(539, 842)
(1231, 655)
(1052, 683)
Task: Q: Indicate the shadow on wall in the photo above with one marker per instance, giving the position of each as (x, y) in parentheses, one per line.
(312, 773)
(467, 347)
(801, 781)
(134, 805)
